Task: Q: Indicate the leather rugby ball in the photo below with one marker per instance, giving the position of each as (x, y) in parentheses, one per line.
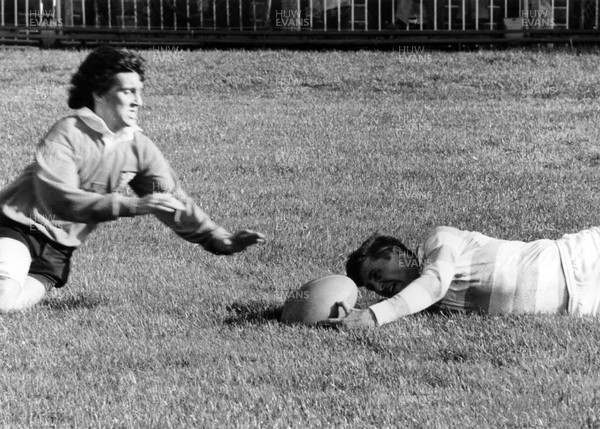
(316, 300)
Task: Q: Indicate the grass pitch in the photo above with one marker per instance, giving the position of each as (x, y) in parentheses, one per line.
(316, 150)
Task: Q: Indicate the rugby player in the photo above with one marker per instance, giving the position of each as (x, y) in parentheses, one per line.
(463, 270)
(80, 177)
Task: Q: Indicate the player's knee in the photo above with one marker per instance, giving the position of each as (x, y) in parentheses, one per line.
(9, 293)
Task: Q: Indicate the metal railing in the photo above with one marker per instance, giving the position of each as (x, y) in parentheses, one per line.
(303, 15)
(298, 23)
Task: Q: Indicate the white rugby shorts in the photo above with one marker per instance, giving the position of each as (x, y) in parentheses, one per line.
(580, 257)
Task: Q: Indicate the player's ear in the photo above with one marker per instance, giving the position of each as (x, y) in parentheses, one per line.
(97, 97)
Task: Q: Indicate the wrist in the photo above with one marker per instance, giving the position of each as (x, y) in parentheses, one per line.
(217, 246)
(373, 317)
(123, 206)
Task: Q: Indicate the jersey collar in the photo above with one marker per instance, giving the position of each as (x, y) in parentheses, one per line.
(97, 124)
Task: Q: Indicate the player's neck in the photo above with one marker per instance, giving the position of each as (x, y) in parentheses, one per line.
(108, 116)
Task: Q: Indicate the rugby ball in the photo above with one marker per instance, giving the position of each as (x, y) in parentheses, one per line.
(316, 300)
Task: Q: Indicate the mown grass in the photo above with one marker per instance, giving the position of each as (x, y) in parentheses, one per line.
(316, 150)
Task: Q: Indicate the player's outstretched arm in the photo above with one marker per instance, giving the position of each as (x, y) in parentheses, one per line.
(236, 242)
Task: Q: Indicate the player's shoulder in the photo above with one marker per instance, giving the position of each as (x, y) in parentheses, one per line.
(145, 149)
(445, 236)
(143, 142)
(64, 130)
(142, 138)
(446, 232)
(68, 124)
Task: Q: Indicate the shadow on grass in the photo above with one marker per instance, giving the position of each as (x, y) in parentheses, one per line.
(73, 302)
(259, 313)
(252, 313)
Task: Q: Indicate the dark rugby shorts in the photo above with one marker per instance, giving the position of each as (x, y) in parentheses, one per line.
(50, 261)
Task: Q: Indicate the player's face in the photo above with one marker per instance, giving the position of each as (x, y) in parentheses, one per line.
(118, 106)
(387, 277)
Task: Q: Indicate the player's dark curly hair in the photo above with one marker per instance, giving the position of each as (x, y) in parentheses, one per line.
(376, 246)
(96, 74)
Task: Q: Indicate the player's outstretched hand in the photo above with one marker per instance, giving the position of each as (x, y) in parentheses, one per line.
(157, 203)
(237, 242)
(356, 318)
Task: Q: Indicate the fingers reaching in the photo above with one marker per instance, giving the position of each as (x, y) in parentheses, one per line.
(330, 323)
(247, 238)
(237, 242)
(347, 309)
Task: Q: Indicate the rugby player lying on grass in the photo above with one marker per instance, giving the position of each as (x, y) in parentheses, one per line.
(79, 177)
(462, 270)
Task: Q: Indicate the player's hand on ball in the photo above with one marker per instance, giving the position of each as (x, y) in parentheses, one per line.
(236, 242)
(157, 203)
(355, 318)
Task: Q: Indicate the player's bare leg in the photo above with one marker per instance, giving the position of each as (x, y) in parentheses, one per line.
(14, 296)
(18, 290)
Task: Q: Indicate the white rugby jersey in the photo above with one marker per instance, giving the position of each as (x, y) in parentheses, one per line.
(468, 270)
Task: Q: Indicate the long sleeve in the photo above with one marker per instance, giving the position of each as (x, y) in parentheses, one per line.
(192, 224)
(441, 252)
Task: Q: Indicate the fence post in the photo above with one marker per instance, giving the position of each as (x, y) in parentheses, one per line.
(227, 12)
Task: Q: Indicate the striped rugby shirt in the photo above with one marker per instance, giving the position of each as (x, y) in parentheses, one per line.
(468, 270)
